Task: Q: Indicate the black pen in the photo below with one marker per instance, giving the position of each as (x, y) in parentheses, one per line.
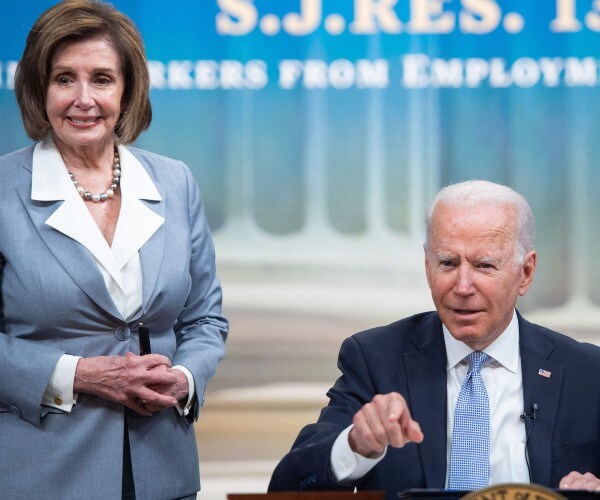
(144, 334)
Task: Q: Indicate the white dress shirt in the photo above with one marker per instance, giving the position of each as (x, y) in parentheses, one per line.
(119, 263)
(503, 381)
(504, 384)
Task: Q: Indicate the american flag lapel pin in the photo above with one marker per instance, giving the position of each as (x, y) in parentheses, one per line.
(544, 373)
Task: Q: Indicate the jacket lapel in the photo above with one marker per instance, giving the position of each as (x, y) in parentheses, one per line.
(72, 236)
(426, 380)
(543, 390)
(148, 205)
(151, 253)
(75, 259)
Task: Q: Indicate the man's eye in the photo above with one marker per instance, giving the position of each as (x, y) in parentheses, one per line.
(446, 263)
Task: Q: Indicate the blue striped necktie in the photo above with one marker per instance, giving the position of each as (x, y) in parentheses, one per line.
(470, 450)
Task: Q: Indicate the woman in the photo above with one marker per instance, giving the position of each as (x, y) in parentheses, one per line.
(95, 239)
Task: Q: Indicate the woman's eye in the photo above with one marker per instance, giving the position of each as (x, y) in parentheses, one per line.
(63, 80)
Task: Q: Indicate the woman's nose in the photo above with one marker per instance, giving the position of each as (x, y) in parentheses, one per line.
(84, 98)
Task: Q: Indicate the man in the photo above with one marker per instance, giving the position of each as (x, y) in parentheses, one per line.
(411, 410)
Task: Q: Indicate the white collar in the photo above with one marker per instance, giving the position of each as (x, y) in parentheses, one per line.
(136, 224)
(50, 179)
(504, 350)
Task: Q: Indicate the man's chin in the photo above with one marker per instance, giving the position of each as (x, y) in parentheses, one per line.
(466, 332)
(476, 338)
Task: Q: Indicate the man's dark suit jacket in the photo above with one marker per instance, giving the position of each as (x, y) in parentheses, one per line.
(409, 357)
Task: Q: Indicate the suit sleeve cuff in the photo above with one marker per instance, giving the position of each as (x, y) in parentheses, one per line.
(346, 465)
(184, 409)
(59, 391)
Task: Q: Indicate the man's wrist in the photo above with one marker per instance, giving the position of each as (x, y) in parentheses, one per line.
(346, 464)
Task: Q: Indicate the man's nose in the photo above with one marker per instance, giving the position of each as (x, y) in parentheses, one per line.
(464, 281)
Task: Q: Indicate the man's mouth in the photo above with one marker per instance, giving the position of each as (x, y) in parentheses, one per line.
(466, 312)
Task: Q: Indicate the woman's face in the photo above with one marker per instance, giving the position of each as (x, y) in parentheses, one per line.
(86, 87)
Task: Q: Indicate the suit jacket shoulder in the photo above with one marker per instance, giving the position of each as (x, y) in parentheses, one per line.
(407, 334)
(18, 157)
(15, 168)
(554, 345)
(161, 168)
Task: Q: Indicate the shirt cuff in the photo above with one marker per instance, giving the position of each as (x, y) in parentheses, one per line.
(184, 410)
(348, 466)
(59, 391)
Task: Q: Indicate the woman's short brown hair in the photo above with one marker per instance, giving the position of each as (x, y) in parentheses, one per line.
(75, 20)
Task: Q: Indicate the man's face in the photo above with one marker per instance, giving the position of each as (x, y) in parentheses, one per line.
(473, 271)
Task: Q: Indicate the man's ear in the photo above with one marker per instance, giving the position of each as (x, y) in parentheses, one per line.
(426, 265)
(529, 264)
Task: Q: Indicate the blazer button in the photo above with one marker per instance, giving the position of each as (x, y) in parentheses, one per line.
(122, 332)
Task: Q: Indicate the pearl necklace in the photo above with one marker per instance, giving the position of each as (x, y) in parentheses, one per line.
(110, 192)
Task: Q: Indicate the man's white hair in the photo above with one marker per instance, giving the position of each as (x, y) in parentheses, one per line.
(477, 193)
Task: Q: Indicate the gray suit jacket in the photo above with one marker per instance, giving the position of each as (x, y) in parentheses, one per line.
(53, 301)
